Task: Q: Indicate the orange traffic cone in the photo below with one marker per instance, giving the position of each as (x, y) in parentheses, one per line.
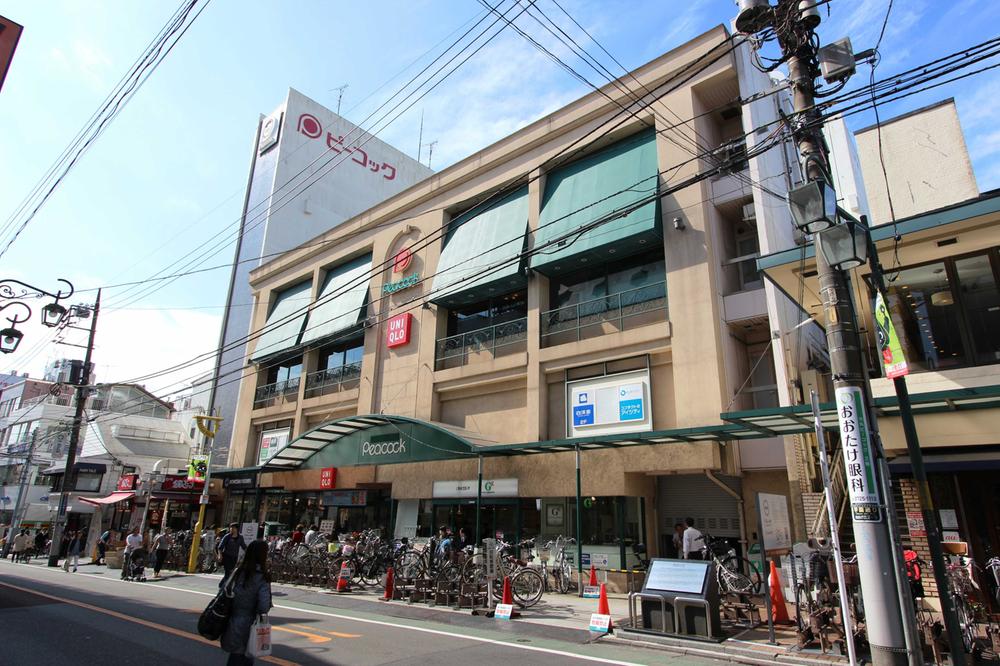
(602, 606)
(344, 579)
(508, 598)
(389, 582)
(779, 611)
(593, 576)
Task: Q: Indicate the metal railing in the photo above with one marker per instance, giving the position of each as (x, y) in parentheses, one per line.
(573, 323)
(497, 340)
(271, 394)
(332, 380)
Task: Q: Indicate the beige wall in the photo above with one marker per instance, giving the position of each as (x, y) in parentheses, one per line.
(926, 160)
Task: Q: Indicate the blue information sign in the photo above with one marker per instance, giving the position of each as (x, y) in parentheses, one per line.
(583, 415)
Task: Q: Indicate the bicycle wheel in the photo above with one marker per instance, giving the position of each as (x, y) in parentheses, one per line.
(410, 565)
(449, 573)
(733, 581)
(526, 587)
(374, 573)
(741, 566)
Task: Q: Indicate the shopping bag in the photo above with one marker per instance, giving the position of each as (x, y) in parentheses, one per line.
(259, 644)
(213, 620)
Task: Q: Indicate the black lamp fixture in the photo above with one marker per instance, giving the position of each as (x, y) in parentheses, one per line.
(52, 314)
(10, 338)
(13, 291)
(845, 245)
(813, 206)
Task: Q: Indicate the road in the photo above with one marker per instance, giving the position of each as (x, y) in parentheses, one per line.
(48, 616)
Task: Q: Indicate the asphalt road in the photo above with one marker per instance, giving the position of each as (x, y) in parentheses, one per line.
(48, 616)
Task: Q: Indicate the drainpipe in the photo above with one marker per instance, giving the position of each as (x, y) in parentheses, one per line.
(739, 503)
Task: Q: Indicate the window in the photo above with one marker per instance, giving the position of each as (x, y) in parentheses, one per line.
(638, 278)
(496, 310)
(44, 480)
(947, 312)
(337, 356)
(88, 482)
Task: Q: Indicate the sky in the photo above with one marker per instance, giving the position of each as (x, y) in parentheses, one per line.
(170, 172)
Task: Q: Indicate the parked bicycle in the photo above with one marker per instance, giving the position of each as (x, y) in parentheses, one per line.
(526, 582)
(554, 563)
(734, 574)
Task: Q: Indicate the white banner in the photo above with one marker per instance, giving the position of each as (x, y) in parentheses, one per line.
(859, 460)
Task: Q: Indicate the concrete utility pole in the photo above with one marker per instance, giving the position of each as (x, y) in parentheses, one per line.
(884, 619)
(74, 437)
(22, 491)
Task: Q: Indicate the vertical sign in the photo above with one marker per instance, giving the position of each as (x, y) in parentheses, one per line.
(776, 531)
(888, 342)
(328, 478)
(398, 330)
(859, 462)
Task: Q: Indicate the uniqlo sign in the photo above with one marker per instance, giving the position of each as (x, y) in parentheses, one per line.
(398, 333)
(328, 478)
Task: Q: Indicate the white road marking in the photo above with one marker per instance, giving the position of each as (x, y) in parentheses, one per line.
(394, 625)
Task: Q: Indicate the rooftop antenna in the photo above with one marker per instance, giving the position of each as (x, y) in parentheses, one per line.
(340, 95)
(420, 136)
(430, 152)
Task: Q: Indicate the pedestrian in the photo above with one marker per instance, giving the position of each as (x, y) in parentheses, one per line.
(161, 546)
(19, 546)
(464, 540)
(298, 536)
(311, 535)
(102, 546)
(132, 543)
(251, 598)
(692, 541)
(678, 541)
(228, 550)
(73, 550)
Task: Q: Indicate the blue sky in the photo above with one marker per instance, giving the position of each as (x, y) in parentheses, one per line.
(172, 168)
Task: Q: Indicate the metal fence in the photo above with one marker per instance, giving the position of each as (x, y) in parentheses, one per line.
(493, 341)
(272, 394)
(332, 380)
(608, 314)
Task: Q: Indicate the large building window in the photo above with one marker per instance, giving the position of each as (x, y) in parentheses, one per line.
(947, 312)
(339, 367)
(492, 327)
(281, 383)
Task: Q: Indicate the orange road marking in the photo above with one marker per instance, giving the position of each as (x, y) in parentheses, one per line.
(313, 638)
(327, 631)
(135, 620)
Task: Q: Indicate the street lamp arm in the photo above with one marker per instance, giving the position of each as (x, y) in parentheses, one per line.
(15, 320)
(25, 290)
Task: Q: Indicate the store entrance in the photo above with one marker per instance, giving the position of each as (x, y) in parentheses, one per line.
(498, 519)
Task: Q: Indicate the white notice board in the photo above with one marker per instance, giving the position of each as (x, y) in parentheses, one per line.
(776, 531)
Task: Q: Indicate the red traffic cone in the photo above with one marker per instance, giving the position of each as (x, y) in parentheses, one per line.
(593, 576)
(779, 611)
(602, 605)
(344, 579)
(389, 582)
(508, 598)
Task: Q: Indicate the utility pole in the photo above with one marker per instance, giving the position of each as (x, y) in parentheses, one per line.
(22, 489)
(208, 426)
(74, 437)
(795, 30)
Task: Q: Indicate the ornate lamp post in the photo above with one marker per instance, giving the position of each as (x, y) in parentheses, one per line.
(14, 291)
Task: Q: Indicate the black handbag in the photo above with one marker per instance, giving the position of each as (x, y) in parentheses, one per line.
(214, 619)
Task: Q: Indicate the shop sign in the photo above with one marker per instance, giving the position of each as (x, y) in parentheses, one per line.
(397, 331)
(180, 483)
(327, 526)
(596, 560)
(400, 285)
(345, 498)
(328, 478)
(378, 447)
(402, 260)
(888, 342)
(949, 519)
(609, 405)
(915, 524)
(127, 482)
(776, 531)
(197, 468)
(859, 461)
(272, 441)
(467, 489)
(951, 537)
(249, 532)
(249, 481)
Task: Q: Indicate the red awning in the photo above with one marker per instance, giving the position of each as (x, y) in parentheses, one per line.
(113, 498)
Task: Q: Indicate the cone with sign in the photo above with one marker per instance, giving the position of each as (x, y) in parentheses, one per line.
(602, 606)
(389, 584)
(508, 597)
(779, 611)
(593, 576)
(344, 579)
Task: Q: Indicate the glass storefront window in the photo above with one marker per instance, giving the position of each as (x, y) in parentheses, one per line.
(496, 310)
(922, 298)
(980, 299)
(626, 276)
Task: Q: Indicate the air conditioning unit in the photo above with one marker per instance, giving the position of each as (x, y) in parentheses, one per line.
(749, 212)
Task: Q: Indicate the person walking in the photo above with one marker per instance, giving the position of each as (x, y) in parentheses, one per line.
(102, 546)
(132, 543)
(161, 546)
(41, 541)
(73, 550)
(19, 546)
(692, 541)
(251, 586)
(228, 550)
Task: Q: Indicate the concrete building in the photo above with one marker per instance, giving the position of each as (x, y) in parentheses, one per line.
(299, 145)
(629, 330)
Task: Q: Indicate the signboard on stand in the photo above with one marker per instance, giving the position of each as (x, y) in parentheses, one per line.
(503, 611)
(249, 532)
(599, 624)
(776, 531)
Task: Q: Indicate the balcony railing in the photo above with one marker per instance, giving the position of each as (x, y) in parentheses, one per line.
(490, 342)
(333, 380)
(273, 394)
(608, 314)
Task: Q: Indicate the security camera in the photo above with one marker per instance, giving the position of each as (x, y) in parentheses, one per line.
(678, 224)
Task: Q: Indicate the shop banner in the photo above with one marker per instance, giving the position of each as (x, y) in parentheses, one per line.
(198, 468)
(127, 481)
(608, 405)
(888, 342)
(179, 483)
(915, 524)
(345, 498)
(859, 459)
(467, 489)
(272, 441)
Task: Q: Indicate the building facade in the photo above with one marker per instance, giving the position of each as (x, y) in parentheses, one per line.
(583, 290)
(310, 171)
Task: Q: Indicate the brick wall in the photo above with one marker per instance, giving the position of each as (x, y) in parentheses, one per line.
(911, 502)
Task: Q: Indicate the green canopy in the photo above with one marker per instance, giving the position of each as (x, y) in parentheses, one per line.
(339, 304)
(283, 328)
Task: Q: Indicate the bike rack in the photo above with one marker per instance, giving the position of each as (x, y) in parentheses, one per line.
(681, 603)
(652, 597)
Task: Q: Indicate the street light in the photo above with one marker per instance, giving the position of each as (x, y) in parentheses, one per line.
(844, 246)
(10, 338)
(813, 206)
(53, 314)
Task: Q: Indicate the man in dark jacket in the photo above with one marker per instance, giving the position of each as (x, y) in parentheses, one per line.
(228, 550)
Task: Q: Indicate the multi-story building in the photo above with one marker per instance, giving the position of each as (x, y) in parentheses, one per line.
(943, 271)
(310, 171)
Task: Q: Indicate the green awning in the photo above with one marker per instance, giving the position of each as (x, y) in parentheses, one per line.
(591, 188)
(283, 328)
(479, 240)
(339, 304)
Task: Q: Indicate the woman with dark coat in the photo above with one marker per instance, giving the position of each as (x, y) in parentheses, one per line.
(251, 597)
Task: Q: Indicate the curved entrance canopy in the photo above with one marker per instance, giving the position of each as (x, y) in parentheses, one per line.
(377, 439)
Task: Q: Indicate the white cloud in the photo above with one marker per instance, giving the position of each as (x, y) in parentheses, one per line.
(86, 60)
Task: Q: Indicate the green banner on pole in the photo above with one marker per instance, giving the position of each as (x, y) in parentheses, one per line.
(888, 342)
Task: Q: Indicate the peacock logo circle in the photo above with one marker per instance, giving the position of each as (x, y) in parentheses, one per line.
(310, 125)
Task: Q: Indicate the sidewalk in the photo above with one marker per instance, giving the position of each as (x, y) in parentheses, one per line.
(563, 616)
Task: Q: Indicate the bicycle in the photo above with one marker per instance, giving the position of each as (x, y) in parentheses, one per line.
(729, 567)
(526, 582)
(561, 570)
